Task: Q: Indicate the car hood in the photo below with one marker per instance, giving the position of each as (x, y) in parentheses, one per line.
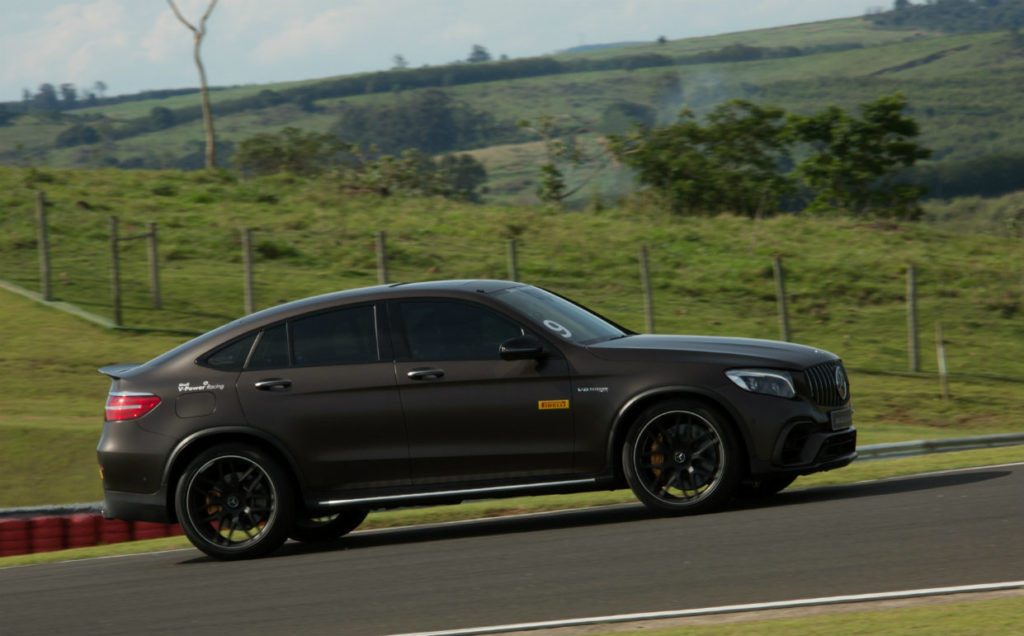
(726, 351)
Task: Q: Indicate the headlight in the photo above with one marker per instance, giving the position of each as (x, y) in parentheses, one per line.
(777, 383)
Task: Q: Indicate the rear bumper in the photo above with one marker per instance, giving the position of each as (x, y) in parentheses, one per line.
(133, 506)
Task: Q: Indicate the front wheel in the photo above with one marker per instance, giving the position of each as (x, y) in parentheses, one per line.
(681, 457)
(235, 502)
(328, 527)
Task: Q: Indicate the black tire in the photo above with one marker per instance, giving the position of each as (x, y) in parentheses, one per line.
(681, 457)
(235, 502)
(765, 486)
(328, 527)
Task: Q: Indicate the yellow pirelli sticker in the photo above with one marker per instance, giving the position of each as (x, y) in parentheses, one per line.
(545, 405)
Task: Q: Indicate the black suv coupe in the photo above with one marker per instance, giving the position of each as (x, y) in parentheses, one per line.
(297, 420)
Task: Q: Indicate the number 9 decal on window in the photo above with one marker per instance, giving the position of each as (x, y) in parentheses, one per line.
(557, 328)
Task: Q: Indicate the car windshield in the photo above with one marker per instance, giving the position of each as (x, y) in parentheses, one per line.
(559, 316)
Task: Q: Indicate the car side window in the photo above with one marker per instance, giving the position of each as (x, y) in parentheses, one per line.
(342, 336)
(272, 349)
(231, 357)
(440, 330)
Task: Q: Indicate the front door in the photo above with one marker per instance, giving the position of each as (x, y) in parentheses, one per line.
(470, 415)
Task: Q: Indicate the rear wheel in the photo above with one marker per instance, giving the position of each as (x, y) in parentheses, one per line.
(235, 502)
(327, 527)
(681, 457)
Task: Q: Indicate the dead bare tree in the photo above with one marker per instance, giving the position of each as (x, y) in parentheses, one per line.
(198, 35)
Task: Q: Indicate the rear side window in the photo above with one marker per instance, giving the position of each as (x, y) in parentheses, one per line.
(232, 356)
(342, 336)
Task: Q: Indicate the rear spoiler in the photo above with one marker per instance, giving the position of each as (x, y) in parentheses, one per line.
(118, 371)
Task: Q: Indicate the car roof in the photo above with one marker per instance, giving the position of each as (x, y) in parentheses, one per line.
(245, 324)
(379, 292)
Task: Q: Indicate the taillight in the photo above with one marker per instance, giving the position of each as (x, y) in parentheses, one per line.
(128, 406)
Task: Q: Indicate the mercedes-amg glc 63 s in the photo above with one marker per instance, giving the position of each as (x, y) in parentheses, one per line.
(297, 420)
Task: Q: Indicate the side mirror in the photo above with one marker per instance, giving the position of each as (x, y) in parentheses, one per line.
(521, 348)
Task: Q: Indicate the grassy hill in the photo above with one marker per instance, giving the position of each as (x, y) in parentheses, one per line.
(842, 61)
(846, 286)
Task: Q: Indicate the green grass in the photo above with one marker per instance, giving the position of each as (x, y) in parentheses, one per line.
(846, 286)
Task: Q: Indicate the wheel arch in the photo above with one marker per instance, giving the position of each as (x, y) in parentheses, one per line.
(642, 401)
(190, 447)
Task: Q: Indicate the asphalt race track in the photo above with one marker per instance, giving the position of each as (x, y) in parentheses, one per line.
(947, 529)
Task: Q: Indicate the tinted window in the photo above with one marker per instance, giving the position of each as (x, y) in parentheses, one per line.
(343, 336)
(272, 349)
(438, 330)
(560, 317)
(232, 356)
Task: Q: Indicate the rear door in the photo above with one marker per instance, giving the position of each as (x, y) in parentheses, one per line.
(470, 415)
(321, 384)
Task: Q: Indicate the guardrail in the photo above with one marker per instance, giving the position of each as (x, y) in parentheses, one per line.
(46, 528)
(928, 446)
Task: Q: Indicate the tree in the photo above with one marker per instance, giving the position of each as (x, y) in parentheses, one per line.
(464, 175)
(429, 120)
(291, 150)
(100, 87)
(68, 95)
(161, 117)
(198, 34)
(77, 135)
(478, 54)
(46, 98)
(730, 164)
(853, 162)
(6, 115)
(619, 117)
(747, 148)
(399, 61)
(564, 153)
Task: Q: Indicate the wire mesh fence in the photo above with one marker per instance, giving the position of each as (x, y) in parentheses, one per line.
(843, 306)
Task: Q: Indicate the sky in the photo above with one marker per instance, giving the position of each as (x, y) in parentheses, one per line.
(136, 45)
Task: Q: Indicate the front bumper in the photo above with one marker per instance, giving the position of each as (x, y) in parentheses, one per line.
(805, 448)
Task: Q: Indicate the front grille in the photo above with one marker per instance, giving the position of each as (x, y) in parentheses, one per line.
(826, 382)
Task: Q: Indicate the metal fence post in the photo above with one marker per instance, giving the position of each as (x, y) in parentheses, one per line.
(645, 280)
(154, 265)
(115, 273)
(247, 281)
(45, 285)
(382, 258)
(513, 262)
(940, 354)
(912, 339)
(780, 295)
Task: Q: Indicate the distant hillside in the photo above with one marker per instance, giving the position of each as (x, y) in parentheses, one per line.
(583, 48)
(801, 68)
(954, 16)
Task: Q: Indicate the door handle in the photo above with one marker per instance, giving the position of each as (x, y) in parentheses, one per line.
(425, 374)
(273, 384)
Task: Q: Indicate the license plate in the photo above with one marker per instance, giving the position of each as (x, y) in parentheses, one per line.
(843, 418)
